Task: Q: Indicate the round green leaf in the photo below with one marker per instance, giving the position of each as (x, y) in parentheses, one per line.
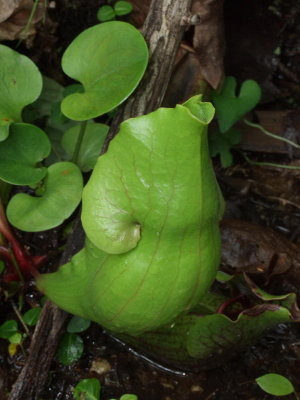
(275, 384)
(78, 324)
(32, 316)
(70, 348)
(8, 328)
(87, 389)
(26, 146)
(16, 338)
(62, 194)
(109, 60)
(123, 8)
(90, 147)
(105, 13)
(20, 85)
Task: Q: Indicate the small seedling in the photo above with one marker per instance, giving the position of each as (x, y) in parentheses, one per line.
(89, 389)
(9, 330)
(230, 108)
(119, 9)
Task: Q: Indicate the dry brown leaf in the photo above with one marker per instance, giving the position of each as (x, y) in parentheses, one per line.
(12, 26)
(7, 8)
(208, 40)
(185, 80)
(251, 248)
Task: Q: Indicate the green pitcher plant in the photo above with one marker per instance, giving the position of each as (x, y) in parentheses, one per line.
(150, 209)
(151, 213)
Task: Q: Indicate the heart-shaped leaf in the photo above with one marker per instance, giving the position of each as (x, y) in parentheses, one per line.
(230, 107)
(26, 146)
(93, 140)
(109, 60)
(62, 194)
(20, 85)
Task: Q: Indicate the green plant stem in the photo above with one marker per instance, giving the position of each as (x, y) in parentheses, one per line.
(79, 142)
(20, 318)
(29, 21)
(262, 129)
(17, 268)
(23, 350)
(268, 164)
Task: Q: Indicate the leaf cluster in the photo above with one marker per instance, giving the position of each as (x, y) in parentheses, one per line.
(10, 331)
(119, 9)
(89, 389)
(50, 159)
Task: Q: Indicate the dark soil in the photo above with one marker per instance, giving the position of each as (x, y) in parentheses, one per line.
(263, 43)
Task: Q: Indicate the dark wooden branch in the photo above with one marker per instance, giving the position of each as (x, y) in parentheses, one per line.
(31, 380)
(163, 30)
